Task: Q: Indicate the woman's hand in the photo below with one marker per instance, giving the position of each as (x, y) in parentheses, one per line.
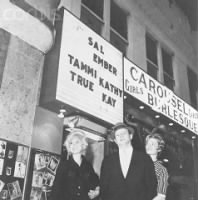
(160, 197)
(94, 193)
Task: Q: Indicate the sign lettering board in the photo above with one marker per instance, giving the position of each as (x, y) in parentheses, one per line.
(140, 85)
(90, 74)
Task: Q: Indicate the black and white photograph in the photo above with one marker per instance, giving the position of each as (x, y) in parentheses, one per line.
(8, 171)
(36, 193)
(99, 99)
(11, 154)
(37, 179)
(19, 170)
(1, 185)
(47, 159)
(3, 145)
(48, 179)
(4, 194)
(14, 190)
(40, 161)
(22, 154)
(1, 166)
(53, 164)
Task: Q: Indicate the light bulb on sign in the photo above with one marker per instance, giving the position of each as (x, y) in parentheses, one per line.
(60, 115)
(157, 116)
(165, 160)
(62, 110)
(141, 107)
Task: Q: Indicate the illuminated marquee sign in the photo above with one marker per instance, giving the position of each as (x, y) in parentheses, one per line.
(161, 99)
(90, 72)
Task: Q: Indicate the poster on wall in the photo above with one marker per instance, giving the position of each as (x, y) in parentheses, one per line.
(43, 174)
(90, 72)
(13, 166)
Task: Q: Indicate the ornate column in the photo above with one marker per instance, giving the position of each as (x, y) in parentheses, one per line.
(31, 21)
(26, 35)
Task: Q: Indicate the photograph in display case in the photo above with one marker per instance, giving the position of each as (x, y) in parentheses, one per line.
(1, 166)
(48, 179)
(8, 171)
(19, 170)
(44, 168)
(14, 190)
(13, 164)
(4, 194)
(37, 179)
(22, 154)
(10, 154)
(40, 161)
(47, 159)
(3, 145)
(1, 185)
(36, 193)
(53, 164)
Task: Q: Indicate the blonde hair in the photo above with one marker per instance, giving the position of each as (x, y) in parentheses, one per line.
(160, 140)
(81, 136)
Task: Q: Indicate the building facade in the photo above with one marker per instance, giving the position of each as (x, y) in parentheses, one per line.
(156, 36)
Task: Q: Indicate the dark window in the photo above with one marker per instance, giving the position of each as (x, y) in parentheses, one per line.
(92, 14)
(167, 62)
(169, 81)
(151, 49)
(193, 85)
(95, 5)
(118, 31)
(152, 70)
(151, 54)
(118, 19)
(118, 42)
(168, 69)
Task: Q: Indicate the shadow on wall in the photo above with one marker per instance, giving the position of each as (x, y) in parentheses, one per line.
(47, 131)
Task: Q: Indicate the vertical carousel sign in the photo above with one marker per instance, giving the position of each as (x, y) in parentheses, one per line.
(161, 99)
(90, 72)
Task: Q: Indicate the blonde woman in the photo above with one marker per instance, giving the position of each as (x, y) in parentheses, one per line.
(75, 177)
(154, 145)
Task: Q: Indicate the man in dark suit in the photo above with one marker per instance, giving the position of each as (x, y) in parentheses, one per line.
(127, 174)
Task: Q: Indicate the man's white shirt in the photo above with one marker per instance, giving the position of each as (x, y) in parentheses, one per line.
(125, 159)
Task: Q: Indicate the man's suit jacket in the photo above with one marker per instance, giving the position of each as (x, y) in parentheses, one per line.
(139, 184)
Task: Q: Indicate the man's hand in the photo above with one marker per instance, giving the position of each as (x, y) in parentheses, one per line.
(94, 193)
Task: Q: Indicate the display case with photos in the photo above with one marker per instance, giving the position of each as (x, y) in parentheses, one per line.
(42, 174)
(13, 165)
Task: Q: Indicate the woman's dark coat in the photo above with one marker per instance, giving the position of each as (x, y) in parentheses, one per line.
(139, 184)
(72, 182)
